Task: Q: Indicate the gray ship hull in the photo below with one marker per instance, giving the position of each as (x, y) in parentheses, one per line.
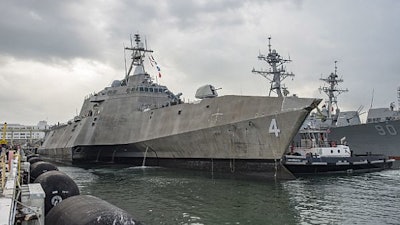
(383, 137)
(215, 133)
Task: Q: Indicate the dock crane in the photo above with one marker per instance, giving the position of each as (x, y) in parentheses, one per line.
(3, 141)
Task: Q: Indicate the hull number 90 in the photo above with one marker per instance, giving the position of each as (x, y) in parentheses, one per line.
(387, 129)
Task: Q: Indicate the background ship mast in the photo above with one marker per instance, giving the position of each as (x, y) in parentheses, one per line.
(138, 54)
(398, 98)
(277, 70)
(332, 90)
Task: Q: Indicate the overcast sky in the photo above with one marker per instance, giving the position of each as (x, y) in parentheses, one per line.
(54, 53)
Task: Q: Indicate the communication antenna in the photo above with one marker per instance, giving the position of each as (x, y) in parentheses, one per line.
(398, 98)
(372, 98)
(332, 90)
(276, 70)
(138, 54)
(130, 37)
(126, 72)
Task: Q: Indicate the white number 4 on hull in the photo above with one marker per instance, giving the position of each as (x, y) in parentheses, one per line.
(273, 128)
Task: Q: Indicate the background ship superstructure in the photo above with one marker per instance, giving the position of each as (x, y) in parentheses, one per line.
(379, 134)
(141, 121)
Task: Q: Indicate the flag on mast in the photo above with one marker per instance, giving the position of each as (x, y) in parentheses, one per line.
(152, 60)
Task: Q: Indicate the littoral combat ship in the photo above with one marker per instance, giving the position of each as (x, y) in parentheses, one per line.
(140, 121)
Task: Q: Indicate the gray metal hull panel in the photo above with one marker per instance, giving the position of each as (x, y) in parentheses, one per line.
(240, 127)
(247, 139)
(381, 137)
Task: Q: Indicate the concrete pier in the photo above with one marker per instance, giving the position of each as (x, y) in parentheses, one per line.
(32, 195)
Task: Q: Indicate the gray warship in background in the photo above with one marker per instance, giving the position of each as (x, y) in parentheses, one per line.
(379, 134)
(138, 121)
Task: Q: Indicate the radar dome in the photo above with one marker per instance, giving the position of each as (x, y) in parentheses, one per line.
(116, 83)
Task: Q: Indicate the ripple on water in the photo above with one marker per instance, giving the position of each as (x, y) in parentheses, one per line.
(157, 195)
(361, 199)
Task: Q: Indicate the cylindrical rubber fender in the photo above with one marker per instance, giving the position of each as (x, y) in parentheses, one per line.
(31, 156)
(40, 167)
(57, 186)
(32, 160)
(88, 210)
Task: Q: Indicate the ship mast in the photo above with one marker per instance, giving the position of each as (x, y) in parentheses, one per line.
(398, 98)
(332, 90)
(277, 70)
(138, 54)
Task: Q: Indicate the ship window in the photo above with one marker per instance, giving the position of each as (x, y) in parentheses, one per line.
(146, 89)
(179, 112)
(141, 89)
(338, 151)
(151, 89)
(331, 151)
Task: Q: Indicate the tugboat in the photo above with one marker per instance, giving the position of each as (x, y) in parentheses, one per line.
(316, 154)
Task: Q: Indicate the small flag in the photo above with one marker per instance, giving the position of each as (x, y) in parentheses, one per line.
(152, 60)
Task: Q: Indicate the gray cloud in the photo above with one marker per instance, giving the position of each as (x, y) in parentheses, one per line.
(53, 53)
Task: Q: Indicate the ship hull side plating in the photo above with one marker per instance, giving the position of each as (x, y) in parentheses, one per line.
(214, 134)
(380, 137)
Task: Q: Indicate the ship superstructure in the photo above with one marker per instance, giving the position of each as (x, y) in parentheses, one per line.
(139, 121)
(378, 134)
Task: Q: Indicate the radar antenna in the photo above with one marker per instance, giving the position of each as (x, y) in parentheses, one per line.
(138, 55)
(277, 70)
(332, 90)
(398, 98)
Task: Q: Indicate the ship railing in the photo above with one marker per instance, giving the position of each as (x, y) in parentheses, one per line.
(11, 186)
(3, 169)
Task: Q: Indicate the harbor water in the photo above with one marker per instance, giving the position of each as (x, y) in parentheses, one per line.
(156, 195)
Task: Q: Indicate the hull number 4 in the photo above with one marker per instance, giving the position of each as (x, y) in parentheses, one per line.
(273, 128)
